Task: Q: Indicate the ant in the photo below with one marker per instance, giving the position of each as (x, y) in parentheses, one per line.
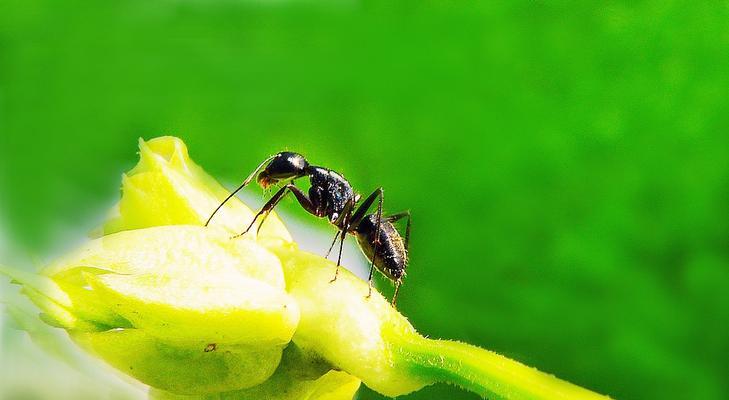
(331, 196)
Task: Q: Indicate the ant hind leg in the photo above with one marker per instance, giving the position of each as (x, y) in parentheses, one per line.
(397, 289)
(369, 280)
(397, 217)
(357, 218)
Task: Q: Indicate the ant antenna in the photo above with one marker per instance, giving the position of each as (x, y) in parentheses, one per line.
(244, 184)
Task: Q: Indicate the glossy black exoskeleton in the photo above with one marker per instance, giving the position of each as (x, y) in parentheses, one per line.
(331, 196)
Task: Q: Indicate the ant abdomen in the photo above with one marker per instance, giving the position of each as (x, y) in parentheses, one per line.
(392, 255)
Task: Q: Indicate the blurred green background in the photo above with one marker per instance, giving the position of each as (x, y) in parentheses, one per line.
(566, 163)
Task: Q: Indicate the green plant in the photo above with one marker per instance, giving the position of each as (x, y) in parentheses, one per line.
(195, 315)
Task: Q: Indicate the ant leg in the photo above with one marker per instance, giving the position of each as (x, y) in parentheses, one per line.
(357, 218)
(300, 196)
(332, 245)
(369, 280)
(266, 209)
(342, 223)
(397, 217)
(359, 214)
(377, 242)
(339, 259)
(244, 184)
(397, 289)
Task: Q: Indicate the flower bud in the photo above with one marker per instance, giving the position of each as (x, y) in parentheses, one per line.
(179, 306)
(199, 316)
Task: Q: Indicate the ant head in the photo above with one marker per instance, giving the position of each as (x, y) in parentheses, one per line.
(283, 166)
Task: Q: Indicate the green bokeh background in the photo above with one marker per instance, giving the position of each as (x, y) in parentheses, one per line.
(566, 163)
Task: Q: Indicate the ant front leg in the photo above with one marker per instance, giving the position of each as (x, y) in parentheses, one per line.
(357, 218)
(273, 202)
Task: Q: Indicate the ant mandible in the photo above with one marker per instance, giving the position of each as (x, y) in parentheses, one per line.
(331, 196)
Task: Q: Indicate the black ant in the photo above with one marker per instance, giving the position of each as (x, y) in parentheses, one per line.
(331, 196)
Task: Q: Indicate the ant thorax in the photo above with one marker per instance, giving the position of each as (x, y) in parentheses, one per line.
(329, 192)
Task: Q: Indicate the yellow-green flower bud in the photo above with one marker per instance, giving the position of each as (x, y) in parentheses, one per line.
(167, 188)
(197, 315)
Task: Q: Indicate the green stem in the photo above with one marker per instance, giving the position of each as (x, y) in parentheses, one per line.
(486, 373)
